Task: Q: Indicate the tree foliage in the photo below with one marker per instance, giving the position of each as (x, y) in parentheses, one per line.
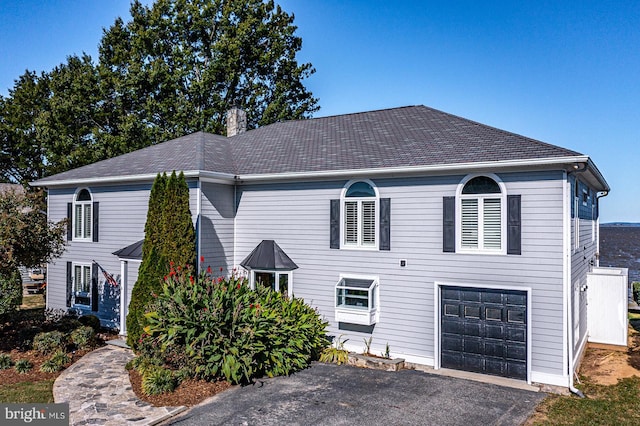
(169, 239)
(174, 68)
(27, 238)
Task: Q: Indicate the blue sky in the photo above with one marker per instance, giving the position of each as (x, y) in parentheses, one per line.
(564, 72)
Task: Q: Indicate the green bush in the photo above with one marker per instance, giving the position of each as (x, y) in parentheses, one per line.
(636, 291)
(91, 321)
(83, 337)
(229, 331)
(10, 291)
(46, 343)
(22, 366)
(158, 380)
(5, 361)
(56, 363)
(336, 353)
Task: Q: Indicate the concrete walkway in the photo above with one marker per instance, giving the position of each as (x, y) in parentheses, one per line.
(98, 391)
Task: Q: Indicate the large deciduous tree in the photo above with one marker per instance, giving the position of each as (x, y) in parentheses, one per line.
(176, 67)
(27, 239)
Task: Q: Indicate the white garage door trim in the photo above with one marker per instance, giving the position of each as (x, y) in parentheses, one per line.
(436, 316)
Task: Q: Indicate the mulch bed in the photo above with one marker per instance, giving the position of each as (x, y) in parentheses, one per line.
(189, 393)
(11, 376)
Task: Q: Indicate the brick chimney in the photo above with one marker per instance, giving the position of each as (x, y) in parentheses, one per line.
(236, 122)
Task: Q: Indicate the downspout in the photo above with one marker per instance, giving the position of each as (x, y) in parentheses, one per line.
(570, 295)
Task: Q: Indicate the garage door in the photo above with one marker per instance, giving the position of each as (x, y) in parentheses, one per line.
(484, 331)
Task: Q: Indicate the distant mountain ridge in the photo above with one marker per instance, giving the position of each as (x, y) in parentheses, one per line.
(621, 224)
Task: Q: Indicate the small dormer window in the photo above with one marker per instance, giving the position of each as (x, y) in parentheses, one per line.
(82, 215)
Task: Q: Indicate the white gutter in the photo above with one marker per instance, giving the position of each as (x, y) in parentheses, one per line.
(567, 163)
(202, 175)
(389, 171)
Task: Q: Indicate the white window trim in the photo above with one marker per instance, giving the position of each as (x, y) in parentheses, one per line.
(368, 316)
(503, 216)
(83, 223)
(73, 280)
(359, 200)
(289, 274)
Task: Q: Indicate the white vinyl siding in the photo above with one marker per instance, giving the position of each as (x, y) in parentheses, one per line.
(407, 302)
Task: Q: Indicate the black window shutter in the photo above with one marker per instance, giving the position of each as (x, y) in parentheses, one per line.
(95, 212)
(334, 225)
(69, 221)
(449, 224)
(94, 287)
(69, 283)
(514, 225)
(385, 224)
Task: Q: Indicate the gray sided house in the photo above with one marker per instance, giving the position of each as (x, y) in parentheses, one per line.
(457, 244)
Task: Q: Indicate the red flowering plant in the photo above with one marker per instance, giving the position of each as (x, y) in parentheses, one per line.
(228, 331)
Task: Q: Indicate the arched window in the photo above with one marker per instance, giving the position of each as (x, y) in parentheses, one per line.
(481, 217)
(82, 215)
(359, 207)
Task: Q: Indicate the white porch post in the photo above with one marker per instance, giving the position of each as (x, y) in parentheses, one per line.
(124, 303)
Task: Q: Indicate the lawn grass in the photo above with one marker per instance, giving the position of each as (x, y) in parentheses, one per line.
(28, 392)
(32, 301)
(604, 405)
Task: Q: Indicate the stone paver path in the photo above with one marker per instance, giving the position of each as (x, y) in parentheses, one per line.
(98, 391)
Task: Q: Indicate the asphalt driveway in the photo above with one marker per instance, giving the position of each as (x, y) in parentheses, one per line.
(327, 394)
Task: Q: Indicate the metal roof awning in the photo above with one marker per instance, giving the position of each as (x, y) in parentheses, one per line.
(133, 251)
(268, 256)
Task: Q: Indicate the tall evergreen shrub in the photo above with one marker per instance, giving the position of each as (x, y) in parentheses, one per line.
(169, 237)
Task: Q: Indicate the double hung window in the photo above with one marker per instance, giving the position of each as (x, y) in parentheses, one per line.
(82, 284)
(482, 212)
(359, 213)
(82, 215)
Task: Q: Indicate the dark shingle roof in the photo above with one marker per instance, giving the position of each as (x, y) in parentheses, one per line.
(268, 256)
(398, 137)
(132, 251)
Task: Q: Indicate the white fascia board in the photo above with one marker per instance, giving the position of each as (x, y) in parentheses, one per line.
(542, 163)
(149, 177)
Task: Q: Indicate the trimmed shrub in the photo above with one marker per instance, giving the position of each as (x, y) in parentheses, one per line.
(636, 291)
(22, 366)
(46, 343)
(83, 337)
(10, 291)
(5, 361)
(56, 363)
(229, 331)
(158, 380)
(91, 321)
